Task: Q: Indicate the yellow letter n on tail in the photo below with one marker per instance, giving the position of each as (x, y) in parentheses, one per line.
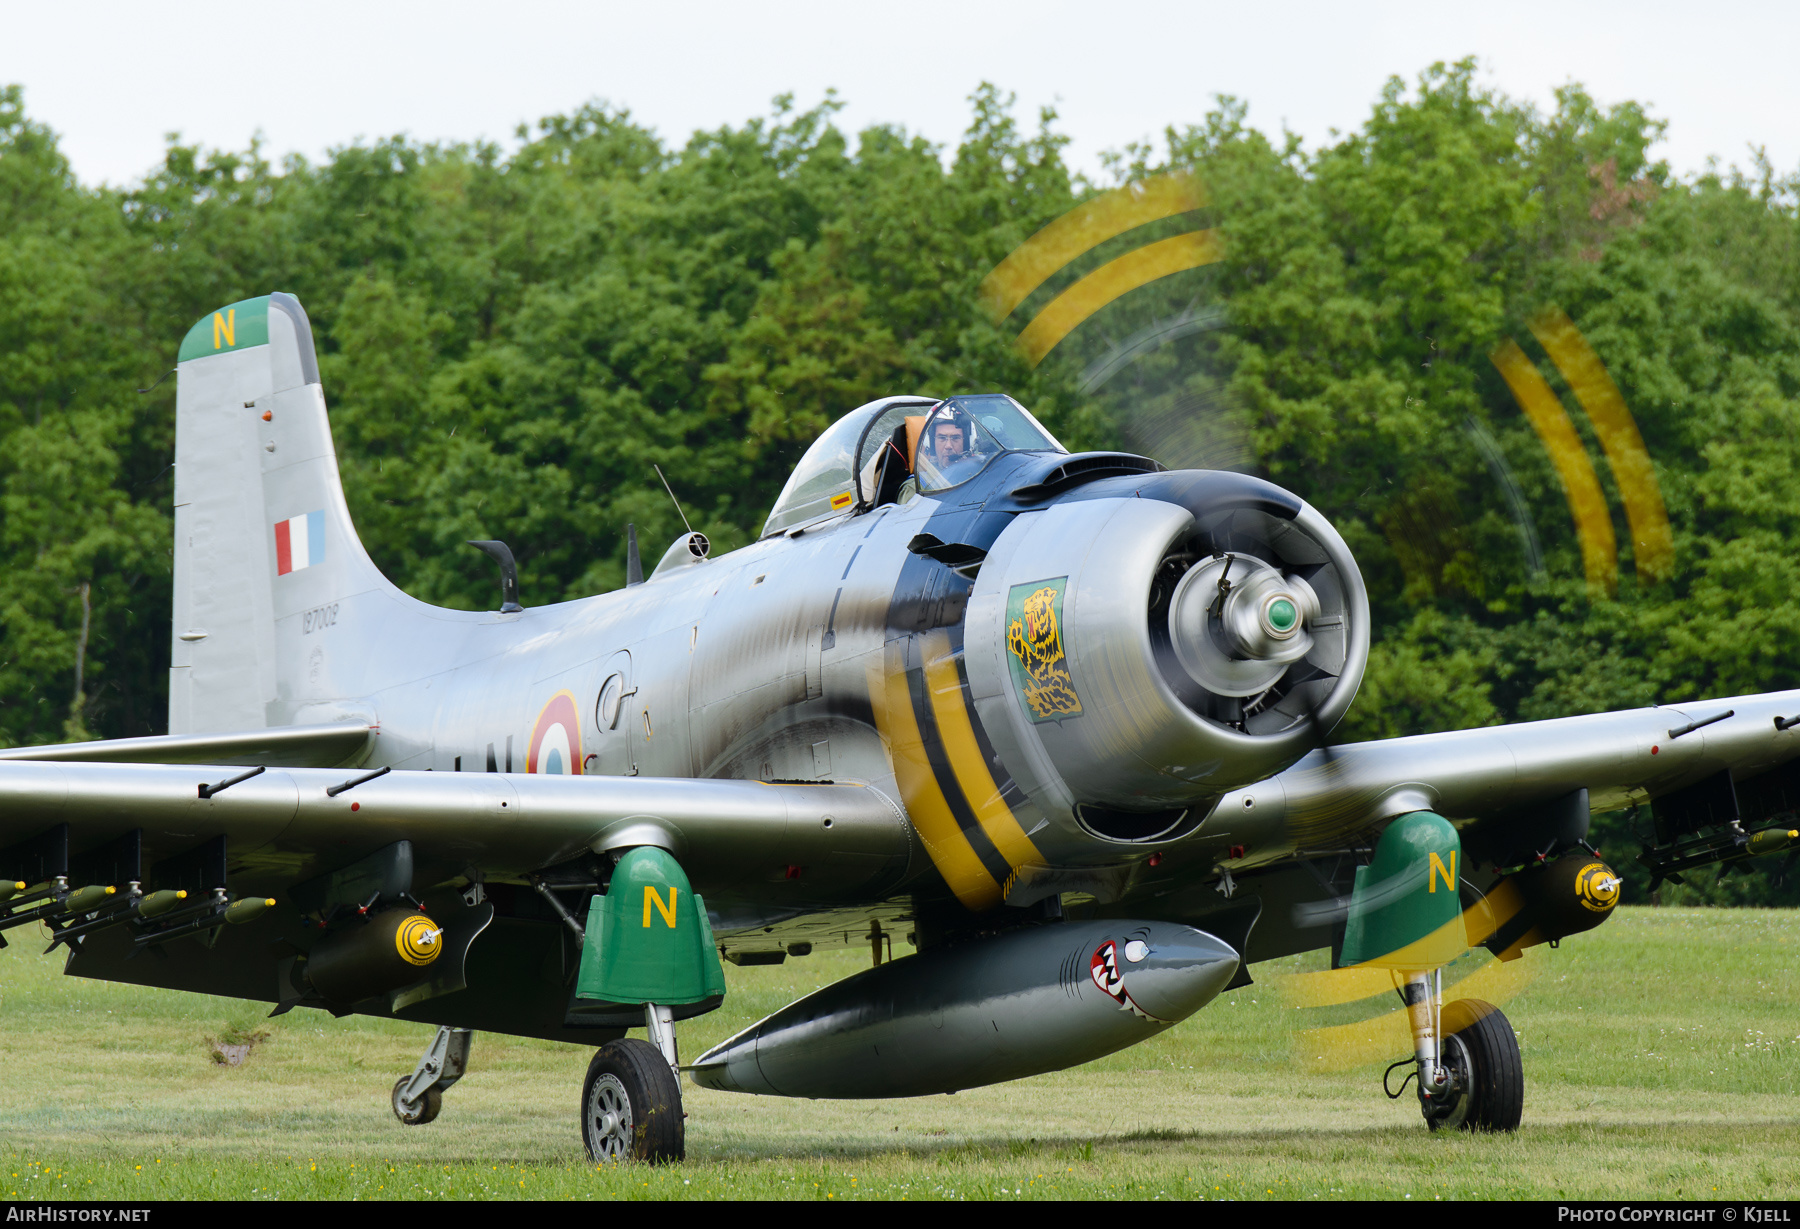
(653, 897)
(225, 328)
(1437, 868)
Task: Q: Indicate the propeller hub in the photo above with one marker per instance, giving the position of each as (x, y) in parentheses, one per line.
(1237, 624)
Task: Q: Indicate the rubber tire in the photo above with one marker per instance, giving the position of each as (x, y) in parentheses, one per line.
(1497, 1084)
(658, 1126)
(428, 1108)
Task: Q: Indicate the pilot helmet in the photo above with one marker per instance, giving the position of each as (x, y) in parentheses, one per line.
(950, 415)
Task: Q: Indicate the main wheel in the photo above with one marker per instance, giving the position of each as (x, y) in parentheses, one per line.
(631, 1105)
(420, 1112)
(1452, 1108)
(1487, 1076)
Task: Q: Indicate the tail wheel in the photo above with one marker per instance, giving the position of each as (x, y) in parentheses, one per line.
(1487, 1088)
(416, 1113)
(631, 1105)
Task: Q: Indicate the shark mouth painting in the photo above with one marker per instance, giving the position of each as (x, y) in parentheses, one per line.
(1104, 969)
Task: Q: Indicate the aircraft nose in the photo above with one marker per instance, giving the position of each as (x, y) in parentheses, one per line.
(1172, 971)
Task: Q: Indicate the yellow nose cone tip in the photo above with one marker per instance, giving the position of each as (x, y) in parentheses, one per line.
(181, 894)
(110, 891)
(269, 902)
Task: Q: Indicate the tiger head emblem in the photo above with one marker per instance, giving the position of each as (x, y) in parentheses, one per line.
(1034, 643)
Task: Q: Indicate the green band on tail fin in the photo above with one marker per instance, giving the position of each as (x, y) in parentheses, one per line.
(236, 327)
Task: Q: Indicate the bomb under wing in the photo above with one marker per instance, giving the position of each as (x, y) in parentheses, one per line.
(974, 1013)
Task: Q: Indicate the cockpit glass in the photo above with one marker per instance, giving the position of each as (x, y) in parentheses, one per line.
(823, 484)
(860, 461)
(964, 434)
(881, 463)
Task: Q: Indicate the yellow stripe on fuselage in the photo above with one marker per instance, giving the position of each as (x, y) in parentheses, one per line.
(926, 806)
(996, 818)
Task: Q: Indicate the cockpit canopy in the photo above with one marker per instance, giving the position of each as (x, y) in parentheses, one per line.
(879, 452)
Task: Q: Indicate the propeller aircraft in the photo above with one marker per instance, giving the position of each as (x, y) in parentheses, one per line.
(1058, 722)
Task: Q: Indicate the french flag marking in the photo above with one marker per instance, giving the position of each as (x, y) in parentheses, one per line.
(299, 542)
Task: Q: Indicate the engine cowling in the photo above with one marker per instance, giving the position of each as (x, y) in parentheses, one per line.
(1135, 657)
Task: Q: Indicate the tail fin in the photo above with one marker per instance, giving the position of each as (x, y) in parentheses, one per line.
(263, 538)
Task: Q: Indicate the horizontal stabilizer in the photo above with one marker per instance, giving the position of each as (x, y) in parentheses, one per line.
(298, 746)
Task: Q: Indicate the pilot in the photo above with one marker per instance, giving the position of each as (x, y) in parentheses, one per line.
(946, 454)
(949, 442)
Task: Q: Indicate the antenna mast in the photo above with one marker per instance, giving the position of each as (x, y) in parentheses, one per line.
(672, 499)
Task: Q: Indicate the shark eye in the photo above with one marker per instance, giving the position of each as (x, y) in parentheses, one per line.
(1136, 950)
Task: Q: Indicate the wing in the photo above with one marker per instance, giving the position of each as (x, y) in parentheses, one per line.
(285, 826)
(1493, 774)
(103, 849)
(300, 746)
(1278, 858)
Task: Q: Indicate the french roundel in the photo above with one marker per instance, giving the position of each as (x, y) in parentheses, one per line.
(556, 739)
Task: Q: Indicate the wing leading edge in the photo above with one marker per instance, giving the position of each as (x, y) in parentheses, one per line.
(1621, 759)
(282, 826)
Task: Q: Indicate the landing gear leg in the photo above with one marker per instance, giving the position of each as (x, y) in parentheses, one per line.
(631, 1101)
(659, 1022)
(1471, 1076)
(1423, 995)
(418, 1097)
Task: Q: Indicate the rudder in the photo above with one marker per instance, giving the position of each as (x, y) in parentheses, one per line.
(262, 533)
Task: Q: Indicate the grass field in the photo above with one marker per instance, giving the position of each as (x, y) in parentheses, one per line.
(1660, 1055)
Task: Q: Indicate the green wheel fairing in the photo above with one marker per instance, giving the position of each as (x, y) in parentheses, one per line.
(648, 938)
(1406, 904)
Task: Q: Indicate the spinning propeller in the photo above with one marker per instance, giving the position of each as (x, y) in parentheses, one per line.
(1351, 1017)
(1251, 641)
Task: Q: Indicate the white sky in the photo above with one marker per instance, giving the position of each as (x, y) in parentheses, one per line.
(113, 78)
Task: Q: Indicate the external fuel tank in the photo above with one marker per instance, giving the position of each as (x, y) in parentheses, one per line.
(978, 1012)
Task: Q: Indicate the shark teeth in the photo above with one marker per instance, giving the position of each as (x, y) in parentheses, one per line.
(1105, 970)
(1103, 967)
